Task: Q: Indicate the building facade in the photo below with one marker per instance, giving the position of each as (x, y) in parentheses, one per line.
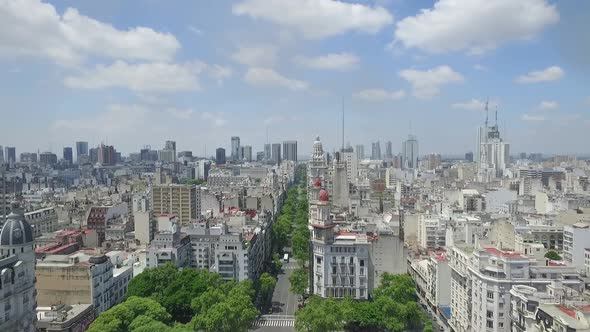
(183, 201)
(290, 150)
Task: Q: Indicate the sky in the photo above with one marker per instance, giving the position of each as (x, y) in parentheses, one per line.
(135, 73)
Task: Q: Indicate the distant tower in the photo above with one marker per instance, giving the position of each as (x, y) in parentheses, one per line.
(235, 148)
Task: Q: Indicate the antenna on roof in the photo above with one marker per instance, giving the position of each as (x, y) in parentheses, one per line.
(496, 116)
(342, 122)
(486, 108)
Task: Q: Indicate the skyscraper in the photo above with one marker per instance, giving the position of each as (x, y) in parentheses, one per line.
(469, 157)
(81, 150)
(106, 155)
(360, 152)
(171, 145)
(267, 152)
(276, 153)
(1, 154)
(388, 150)
(492, 152)
(10, 155)
(290, 150)
(220, 156)
(410, 152)
(68, 155)
(376, 151)
(235, 148)
(247, 153)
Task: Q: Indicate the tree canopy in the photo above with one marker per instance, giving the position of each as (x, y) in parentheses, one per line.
(552, 255)
(165, 298)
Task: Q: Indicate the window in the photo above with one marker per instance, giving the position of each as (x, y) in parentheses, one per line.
(362, 262)
(333, 270)
(351, 261)
(361, 292)
(362, 271)
(490, 314)
(318, 260)
(490, 295)
(490, 324)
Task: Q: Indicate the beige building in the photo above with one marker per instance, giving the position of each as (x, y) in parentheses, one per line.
(184, 201)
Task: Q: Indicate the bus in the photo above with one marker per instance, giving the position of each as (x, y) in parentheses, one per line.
(286, 258)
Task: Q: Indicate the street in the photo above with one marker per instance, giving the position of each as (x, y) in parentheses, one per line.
(284, 304)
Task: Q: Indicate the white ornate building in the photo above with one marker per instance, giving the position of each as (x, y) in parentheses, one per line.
(17, 275)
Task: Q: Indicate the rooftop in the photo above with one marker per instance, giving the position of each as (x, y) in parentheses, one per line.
(502, 253)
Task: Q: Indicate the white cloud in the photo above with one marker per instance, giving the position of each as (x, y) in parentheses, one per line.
(219, 73)
(115, 119)
(34, 28)
(475, 26)
(532, 118)
(379, 95)
(334, 61)
(426, 84)
(548, 105)
(268, 77)
(317, 19)
(472, 105)
(195, 30)
(553, 73)
(183, 114)
(256, 55)
(217, 119)
(152, 77)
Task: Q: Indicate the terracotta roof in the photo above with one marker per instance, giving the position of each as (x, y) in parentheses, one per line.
(508, 254)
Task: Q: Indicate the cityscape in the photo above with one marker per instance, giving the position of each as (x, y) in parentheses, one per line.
(163, 170)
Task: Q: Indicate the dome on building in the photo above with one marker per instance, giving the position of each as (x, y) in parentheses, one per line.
(324, 197)
(16, 230)
(98, 259)
(318, 150)
(317, 182)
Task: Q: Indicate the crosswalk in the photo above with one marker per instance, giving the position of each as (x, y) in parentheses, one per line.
(290, 267)
(262, 322)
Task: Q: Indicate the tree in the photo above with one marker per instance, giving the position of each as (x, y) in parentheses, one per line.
(194, 182)
(299, 281)
(300, 243)
(120, 317)
(552, 255)
(320, 315)
(277, 263)
(267, 284)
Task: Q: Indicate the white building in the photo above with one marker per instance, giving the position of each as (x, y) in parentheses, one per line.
(169, 247)
(17, 275)
(492, 152)
(42, 221)
(431, 232)
(576, 238)
(341, 265)
(433, 279)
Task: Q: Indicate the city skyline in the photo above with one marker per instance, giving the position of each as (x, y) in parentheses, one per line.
(241, 69)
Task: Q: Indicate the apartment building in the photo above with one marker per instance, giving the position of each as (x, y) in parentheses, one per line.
(184, 201)
(576, 238)
(550, 236)
(42, 220)
(99, 218)
(431, 232)
(169, 246)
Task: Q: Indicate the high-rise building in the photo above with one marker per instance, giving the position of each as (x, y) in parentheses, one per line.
(28, 158)
(260, 156)
(410, 152)
(166, 155)
(469, 157)
(276, 153)
(10, 155)
(388, 150)
(247, 153)
(170, 145)
(81, 150)
(492, 152)
(376, 150)
(360, 152)
(107, 155)
(183, 201)
(47, 158)
(68, 155)
(290, 150)
(433, 160)
(1, 154)
(235, 148)
(267, 152)
(17, 263)
(220, 156)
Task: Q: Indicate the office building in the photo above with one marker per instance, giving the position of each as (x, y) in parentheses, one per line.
(267, 152)
(68, 155)
(492, 154)
(469, 157)
(576, 238)
(246, 153)
(235, 148)
(433, 161)
(376, 150)
(220, 156)
(17, 274)
(47, 158)
(28, 158)
(276, 154)
(166, 155)
(341, 266)
(290, 150)
(10, 155)
(183, 201)
(360, 152)
(107, 155)
(350, 159)
(260, 156)
(170, 145)
(81, 150)
(388, 150)
(1, 154)
(410, 152)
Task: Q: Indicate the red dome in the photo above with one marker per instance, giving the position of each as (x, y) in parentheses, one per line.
(324, 196)
(317, 182)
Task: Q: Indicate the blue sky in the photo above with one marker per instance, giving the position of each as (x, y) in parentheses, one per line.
(134, 73)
